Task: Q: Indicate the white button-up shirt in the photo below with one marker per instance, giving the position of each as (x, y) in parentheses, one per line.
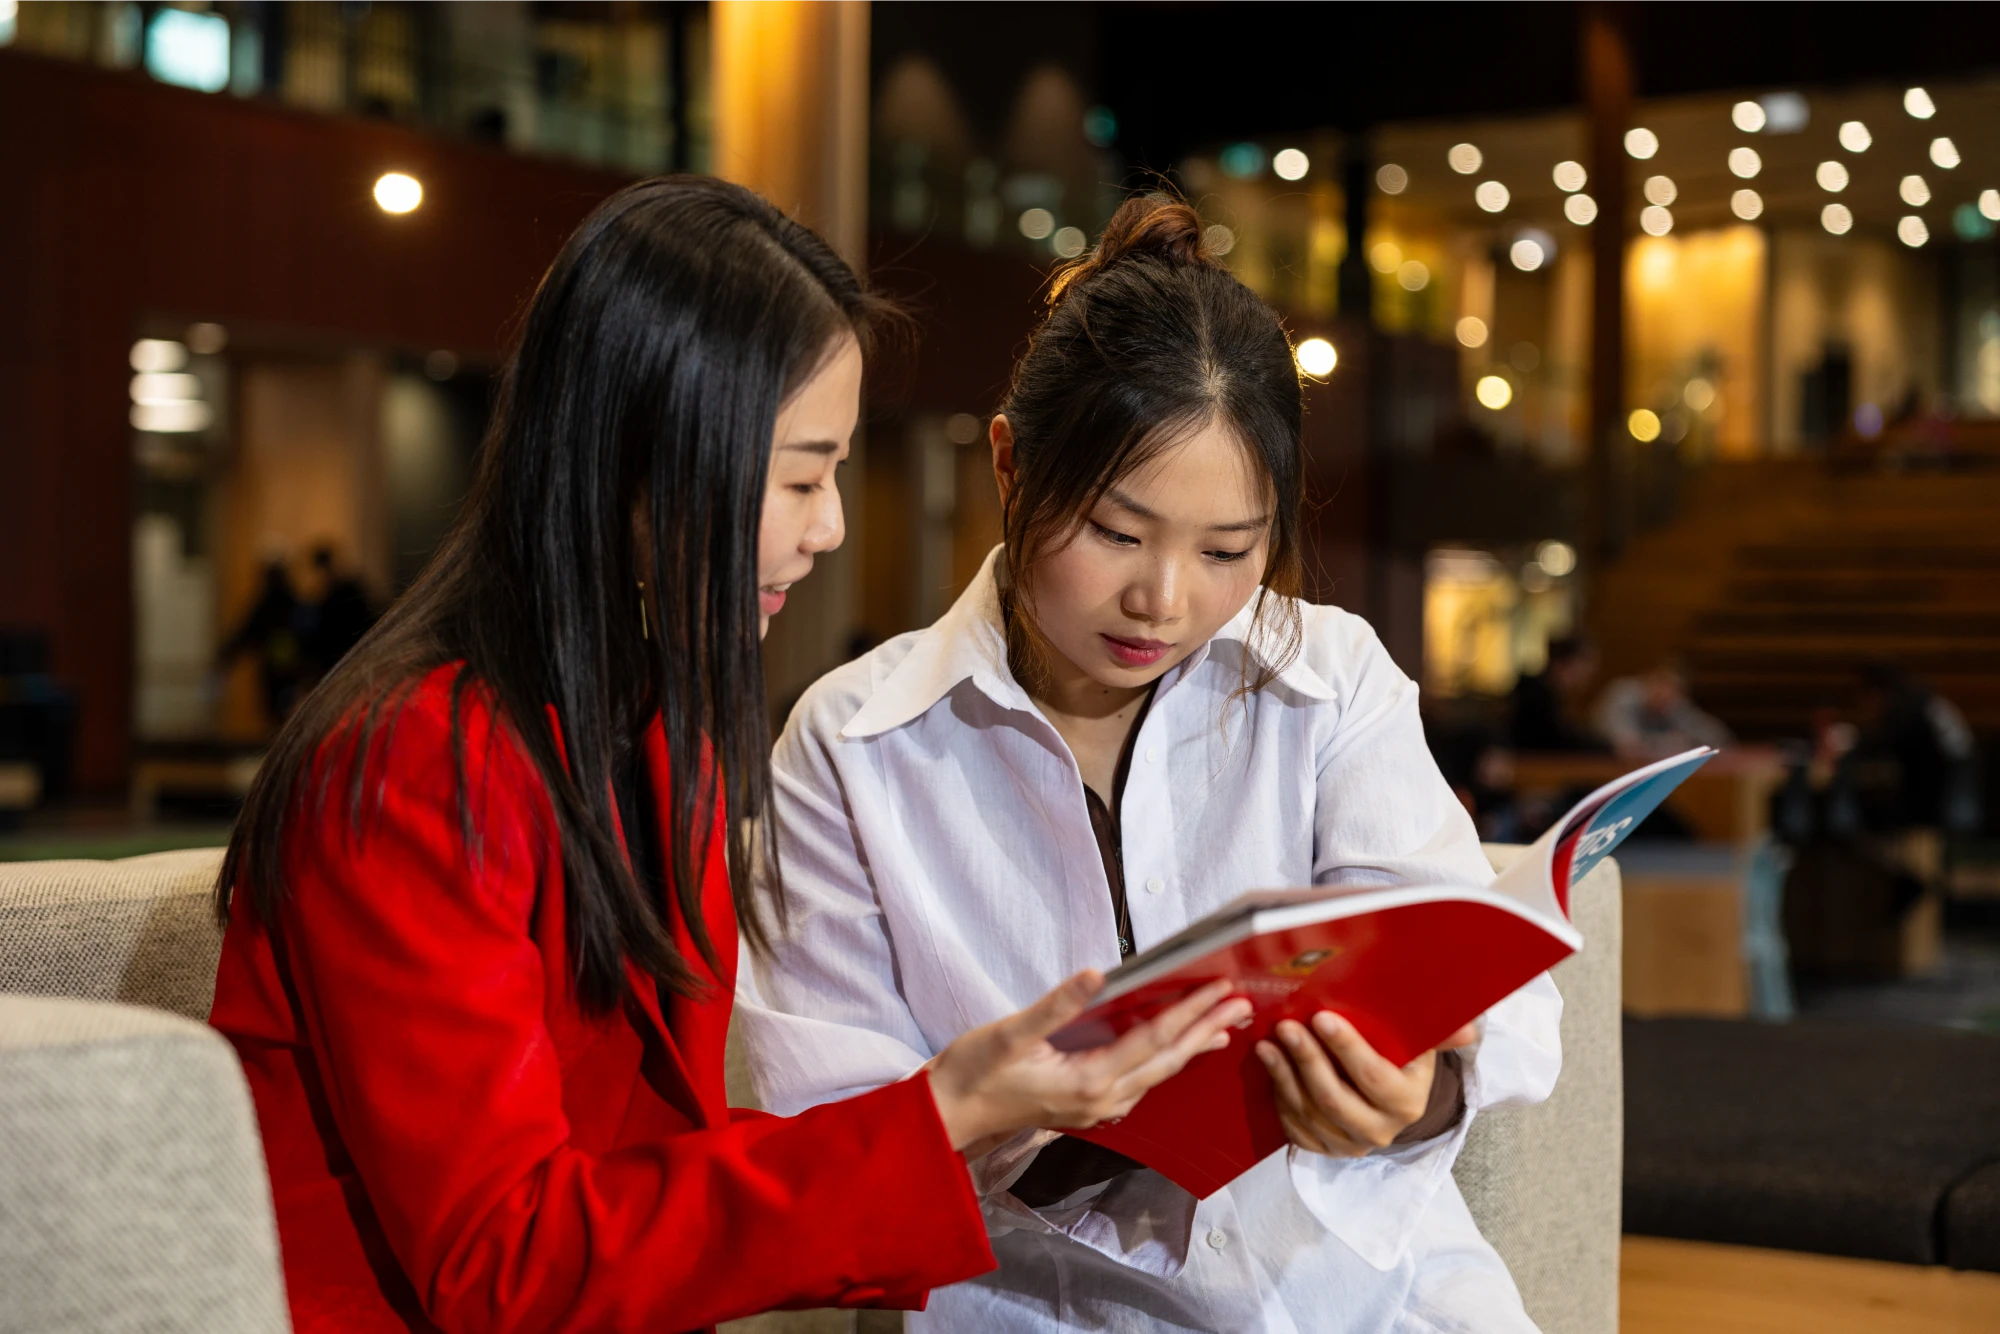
(941, 872)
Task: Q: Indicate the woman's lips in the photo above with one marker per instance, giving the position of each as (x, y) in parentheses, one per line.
(1136, 652)
(770, 601)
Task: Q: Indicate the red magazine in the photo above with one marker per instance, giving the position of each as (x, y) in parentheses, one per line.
(1406, 965)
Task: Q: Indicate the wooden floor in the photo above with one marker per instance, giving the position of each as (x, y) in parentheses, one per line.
(1679, 1287)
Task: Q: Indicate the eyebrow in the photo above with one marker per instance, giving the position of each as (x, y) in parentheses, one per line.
(814, 446)
(1126, 503)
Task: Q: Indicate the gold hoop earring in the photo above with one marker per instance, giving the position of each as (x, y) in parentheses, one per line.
(645, 631)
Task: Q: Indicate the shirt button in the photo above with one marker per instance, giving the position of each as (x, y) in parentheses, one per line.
(1218, 1238)
(1155, 885)
(1152, 754)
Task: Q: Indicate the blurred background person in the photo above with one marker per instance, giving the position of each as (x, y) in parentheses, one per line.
(1649, 717)
(1545, 705)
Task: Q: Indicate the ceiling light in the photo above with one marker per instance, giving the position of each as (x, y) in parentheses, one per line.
(398, 193)
(1317, 357)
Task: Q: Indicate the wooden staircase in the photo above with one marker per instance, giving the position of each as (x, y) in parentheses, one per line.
(1778, 579)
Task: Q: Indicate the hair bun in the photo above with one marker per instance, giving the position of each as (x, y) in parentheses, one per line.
(1158, 226)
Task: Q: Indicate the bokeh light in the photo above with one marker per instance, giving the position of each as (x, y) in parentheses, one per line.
(1747, 205)
(1291, 164)
(1464, 159)
(1472, 331)
(1526, 254)
(1914, 191)
(1392, 179)
(1918, 103)
(1037, 223)
(1911, 231)
(1556, 558)
(398, 193)
(1218, 238)
(1989, 204)
(1655, 221)
(1745, 162)
(1570, 176)
(1854, 136)
(1836, 218)
(1641, 142)
(1944, 152)
(1698, 394)
(1491, 196)
(1831, 175)
(1385, 257)
(1413, 275)
(156, 355)
(1661, 190)
(1580, 209)
(1493, 392)
(1069, 242)
(1317, 357)
(1644, 424)
(1747, 117)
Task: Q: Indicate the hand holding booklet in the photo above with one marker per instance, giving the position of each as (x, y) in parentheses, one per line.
(1407, 965)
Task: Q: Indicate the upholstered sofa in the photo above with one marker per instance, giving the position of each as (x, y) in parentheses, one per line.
(132, 1191)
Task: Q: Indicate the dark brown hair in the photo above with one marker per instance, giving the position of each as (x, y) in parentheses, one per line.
(1147, 340)
(647, 380)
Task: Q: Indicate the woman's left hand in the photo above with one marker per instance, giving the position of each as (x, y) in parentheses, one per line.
(1336, 1095)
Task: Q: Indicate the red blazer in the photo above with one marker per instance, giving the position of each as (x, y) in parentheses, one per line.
(454, 1144)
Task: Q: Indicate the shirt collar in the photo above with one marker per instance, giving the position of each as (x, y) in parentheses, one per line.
(969, 643)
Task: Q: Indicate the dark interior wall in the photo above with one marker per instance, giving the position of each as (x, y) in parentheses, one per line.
(126, 199)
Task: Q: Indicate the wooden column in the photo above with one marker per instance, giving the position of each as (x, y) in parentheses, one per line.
(790, 81)
(1608, 88)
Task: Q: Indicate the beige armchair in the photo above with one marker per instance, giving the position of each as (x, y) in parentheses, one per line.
(134, 1183)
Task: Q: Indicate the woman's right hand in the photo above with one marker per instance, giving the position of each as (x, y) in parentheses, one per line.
(1006, 1077)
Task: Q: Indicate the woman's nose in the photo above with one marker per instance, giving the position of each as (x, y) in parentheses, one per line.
(1157, 596)
(829, 524)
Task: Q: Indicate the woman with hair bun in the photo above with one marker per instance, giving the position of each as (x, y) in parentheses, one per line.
(1128, 719)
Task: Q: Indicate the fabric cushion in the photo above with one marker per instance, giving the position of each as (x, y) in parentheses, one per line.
(1972, 1221)
(1543, 1181)
(1838, 1138)
(132, 1186)
(141, 930)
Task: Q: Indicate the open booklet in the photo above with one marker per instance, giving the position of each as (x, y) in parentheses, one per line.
(1406, 965)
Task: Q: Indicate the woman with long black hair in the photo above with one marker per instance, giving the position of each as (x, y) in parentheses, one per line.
(483, 902)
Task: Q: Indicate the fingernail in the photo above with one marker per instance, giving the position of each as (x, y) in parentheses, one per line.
(1327, 1023)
